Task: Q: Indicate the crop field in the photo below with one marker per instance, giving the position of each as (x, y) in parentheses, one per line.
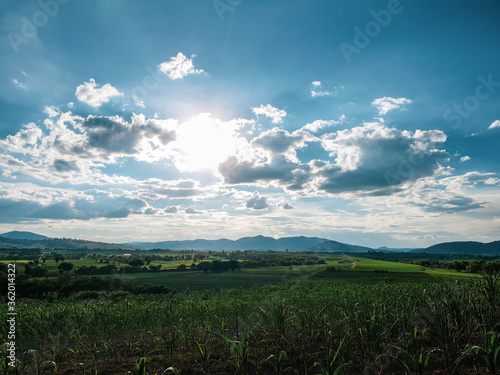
(362, 317)
(196, 280)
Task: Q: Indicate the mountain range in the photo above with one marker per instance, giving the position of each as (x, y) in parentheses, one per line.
(19, 239)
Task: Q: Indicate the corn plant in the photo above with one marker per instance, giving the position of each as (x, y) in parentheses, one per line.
(140, 367)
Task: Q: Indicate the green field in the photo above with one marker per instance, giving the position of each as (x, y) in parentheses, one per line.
(365, 268)
(336, 315)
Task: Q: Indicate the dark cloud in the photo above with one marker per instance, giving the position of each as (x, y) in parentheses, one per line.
(80, 208)
(451, 205)
(257, 203)
(245, 172)
(192, 211)
(381, 170)
(65, 166)
(171, 210)
(114, 135)
(278, 141)
(368, 160)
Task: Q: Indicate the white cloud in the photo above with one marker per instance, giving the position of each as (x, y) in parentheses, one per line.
(51, 111)
(139, 102)
(317, 85)
(492, 181)
(18, 84)
(320, 124)
(88, 93)
(387, 104)
(269, 111)
(495, 124)
(179, 66)
(315, 94)
(464, 158)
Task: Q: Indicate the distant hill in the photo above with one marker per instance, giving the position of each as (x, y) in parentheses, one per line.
(245, 243)
(28, 240)
(259, 243)
(338, 246)
(16, 235)
(465, 247)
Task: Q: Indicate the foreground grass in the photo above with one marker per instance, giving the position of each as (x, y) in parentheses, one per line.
(337, 322)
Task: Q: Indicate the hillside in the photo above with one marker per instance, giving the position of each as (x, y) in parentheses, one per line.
(17, 235)
(58, 243)
(465, 247)
(337, 246)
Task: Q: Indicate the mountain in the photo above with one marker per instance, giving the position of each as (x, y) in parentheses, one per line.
(465, 247)
(337, 246)
(28, 240)
(16, 235)
(261, 243)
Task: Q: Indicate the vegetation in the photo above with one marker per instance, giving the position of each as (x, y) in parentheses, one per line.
(327, 314)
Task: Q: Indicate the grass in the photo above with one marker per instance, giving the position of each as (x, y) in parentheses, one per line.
(334, 322)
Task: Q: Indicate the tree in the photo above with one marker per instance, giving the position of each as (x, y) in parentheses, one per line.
(136, 262)
(65, 266)
(204, 266)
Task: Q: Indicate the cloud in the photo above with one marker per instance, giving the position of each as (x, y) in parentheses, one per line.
(18, 84)
(51, 111)
(138, 102)
(315, 94)
(464, 158)
(257, 202)
(279, 170)
(171, 209)
(192, 211)
(65, 166)
(280, 141)
(287, 206)
(178, 67)
(269, 111)
(51, 204)
(317, 85)
(449, 205)
(376, 159)
(387, 104)
(495, 124)
(106, 137)
(24, 141)
(321, 124)
(88, 93)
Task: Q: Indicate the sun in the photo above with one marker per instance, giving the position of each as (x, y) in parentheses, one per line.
(204, 142)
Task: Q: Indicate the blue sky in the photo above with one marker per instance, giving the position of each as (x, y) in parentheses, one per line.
(368, 122)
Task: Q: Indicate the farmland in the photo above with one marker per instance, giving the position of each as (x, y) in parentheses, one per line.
(331, 315)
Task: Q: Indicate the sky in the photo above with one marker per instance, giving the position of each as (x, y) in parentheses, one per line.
(368, 122)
